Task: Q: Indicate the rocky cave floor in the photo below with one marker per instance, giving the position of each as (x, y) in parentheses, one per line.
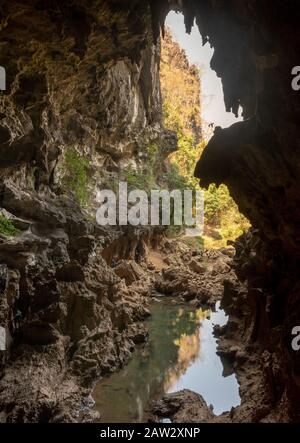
(53, 383)
(200, 278)
(192, 276)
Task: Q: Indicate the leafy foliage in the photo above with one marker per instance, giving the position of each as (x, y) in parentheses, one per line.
(7, 228)
(173, 178)
(222, 213)
(76, 177)
(145, 178)
(182, 109)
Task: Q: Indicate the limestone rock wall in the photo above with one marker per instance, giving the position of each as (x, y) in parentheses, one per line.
(81, 76)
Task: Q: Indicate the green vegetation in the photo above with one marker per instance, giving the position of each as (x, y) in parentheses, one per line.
(7, 228)
(155, 175)
(173, 179)
(222, 215)
(194, 242)
(182, 110)
(144, 179)
(76, 175)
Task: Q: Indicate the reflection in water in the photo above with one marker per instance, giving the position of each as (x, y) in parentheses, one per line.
(188, 348)
(181, 353)
(204, 375)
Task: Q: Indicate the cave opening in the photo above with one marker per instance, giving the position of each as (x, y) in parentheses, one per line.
(193, 107)
(80, 109)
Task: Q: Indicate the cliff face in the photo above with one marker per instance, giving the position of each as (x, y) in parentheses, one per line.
(82, 102)
(180, 85)
(79, 82)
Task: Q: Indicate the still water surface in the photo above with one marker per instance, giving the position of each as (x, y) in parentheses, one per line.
(180, 354)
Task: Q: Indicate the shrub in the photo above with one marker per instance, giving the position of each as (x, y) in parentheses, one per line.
(76, 177)
(173, 179)
(7, 227)
(144, 179)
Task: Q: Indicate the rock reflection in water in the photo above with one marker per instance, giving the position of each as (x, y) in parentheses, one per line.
(175, 345)
(206, 375)
(188, 348)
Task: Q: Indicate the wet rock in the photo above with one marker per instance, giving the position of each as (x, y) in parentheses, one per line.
(138, 334)
(183, 407)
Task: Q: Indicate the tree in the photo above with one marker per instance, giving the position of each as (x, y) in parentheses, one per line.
(181, 86)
